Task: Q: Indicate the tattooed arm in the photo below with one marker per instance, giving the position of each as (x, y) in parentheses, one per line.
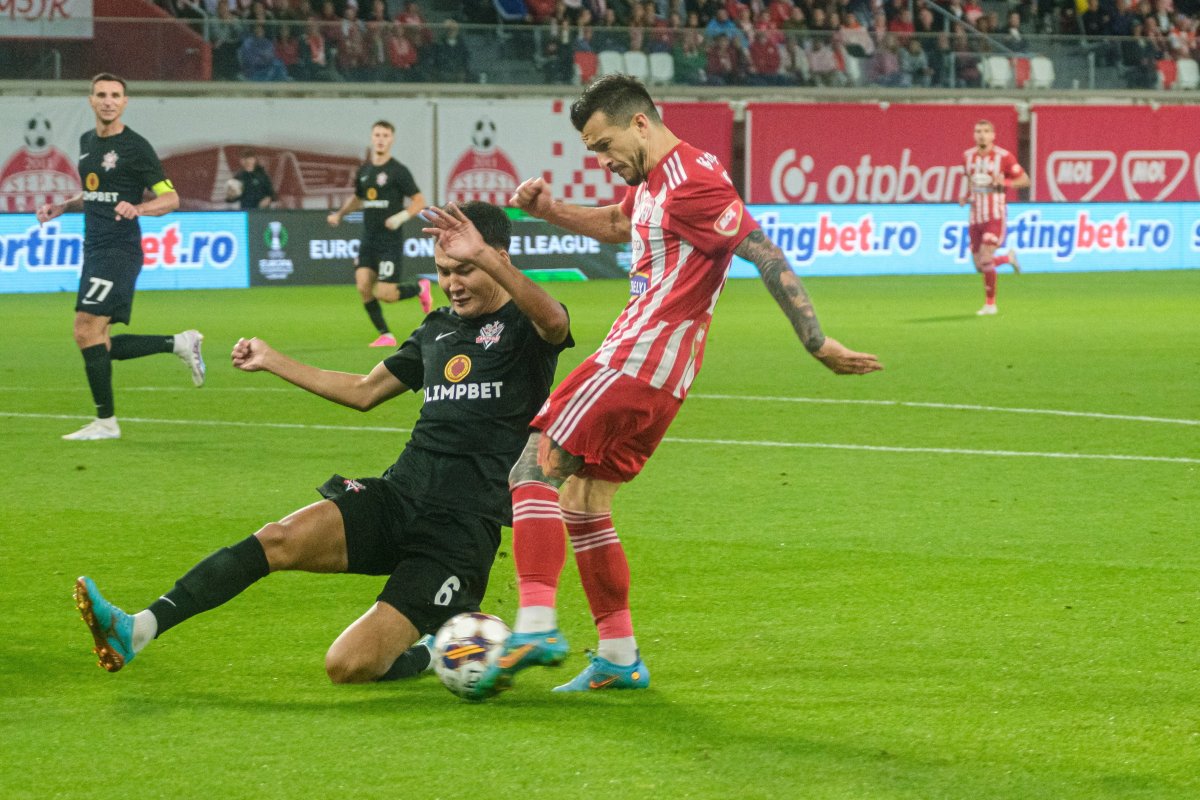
(791, 296)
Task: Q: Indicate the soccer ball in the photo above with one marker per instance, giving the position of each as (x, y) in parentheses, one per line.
(466, 646)
(484, 134)
(37, 133)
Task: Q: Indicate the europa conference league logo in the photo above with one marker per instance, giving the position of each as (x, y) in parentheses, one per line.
(276, 266)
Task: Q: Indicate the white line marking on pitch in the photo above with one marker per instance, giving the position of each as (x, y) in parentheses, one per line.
(745, 398)
(676, 440)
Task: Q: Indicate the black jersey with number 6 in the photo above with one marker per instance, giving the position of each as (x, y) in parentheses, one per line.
(384, 191)
(115, 168)
(483, 380)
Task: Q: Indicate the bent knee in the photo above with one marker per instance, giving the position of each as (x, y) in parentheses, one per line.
(342, 668)
(277, 544)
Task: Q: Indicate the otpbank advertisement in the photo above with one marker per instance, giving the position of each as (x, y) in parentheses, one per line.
(184, 250)
(932, 239)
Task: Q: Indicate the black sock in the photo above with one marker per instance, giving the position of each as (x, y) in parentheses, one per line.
(219, 578)
(97, 363)
(376, 315)
(128, 345)
(412, 662)
(408, 290)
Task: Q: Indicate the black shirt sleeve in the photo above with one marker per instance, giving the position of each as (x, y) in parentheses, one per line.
(405, 181)
(406, 363)
(150, 170)
(360, 190)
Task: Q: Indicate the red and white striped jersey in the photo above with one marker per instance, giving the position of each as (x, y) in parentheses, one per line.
(987, 203)
(686, 220)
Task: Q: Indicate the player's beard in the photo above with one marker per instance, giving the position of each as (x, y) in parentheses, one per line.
(639, 170)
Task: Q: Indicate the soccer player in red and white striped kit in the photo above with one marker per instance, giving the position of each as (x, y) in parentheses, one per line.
(991, 172)
(602, 423)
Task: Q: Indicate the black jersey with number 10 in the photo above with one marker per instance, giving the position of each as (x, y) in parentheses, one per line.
(384, 191)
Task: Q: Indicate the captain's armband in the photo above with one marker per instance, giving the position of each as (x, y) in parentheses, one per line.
(162, 187)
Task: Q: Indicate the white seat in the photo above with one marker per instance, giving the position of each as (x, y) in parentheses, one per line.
(637, 65)
(662, 68)
(1187, 74)
(1041, 72)
(854, 70)
(611, 63)
(997, 72)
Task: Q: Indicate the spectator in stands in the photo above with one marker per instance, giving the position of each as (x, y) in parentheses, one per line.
(1094, 22)
(1014, 39)
(1139, 56)
(1121, 23)
(902, 26)
(225, 36)
(331, 23)
(724, 64)
(796, 23)
(543, 11)
(292, 10)
(765, 62)
(781, 11)
(972, 11)
(823, 66)
(608, 35)
(258, 13)
(691, 58)
(316, 56)
(257, 58)
(745, 24)
(941, 57)
(637, 28)
(720, 25)
(855, 39)
(1162, 14)
(403, 55)
(450, 56)
(914, 63)
(966, 64)
(353, 51)
(884, 67)
(663, 33)
(418, 29)
(287, 50)
(1181, 39)
(1155, 36)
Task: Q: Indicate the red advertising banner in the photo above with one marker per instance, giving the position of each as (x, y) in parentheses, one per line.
(864, 153)
(708, 126)
(1115, 153)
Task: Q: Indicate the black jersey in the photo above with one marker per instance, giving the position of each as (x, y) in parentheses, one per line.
(115, 168)
(384, 191)
(483, 379)
(255, 186)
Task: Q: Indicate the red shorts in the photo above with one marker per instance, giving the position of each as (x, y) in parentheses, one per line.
(989, 233)
(610, 420)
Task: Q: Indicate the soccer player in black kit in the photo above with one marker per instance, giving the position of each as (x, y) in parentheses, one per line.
(432, 523)
(389, 197)
(117, 167)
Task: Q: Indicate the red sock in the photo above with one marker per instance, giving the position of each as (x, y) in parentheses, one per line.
(539, 549)
(989, 283)
(1000, 260)
(603, 571)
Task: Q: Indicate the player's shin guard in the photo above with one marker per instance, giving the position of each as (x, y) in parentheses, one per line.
(97, 363)
(539, 546)
(604, 572)
(989, 282)
(215, 580)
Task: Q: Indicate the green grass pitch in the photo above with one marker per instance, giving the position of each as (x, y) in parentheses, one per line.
(960, 600)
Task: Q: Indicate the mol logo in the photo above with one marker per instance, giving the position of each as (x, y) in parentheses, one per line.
(1079, 175)
(1147, 170)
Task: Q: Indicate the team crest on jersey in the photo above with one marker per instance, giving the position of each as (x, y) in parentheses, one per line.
(489, 334)
(730, 220)
(352, 485)
(381, 178)
(109, 161)
(457, 368)
(371, 193)
(92, 181)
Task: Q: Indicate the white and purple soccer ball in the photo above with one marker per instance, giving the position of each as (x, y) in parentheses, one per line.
(466, 646)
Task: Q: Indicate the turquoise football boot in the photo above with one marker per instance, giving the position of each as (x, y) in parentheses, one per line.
(111, 627)
(603, 674)
(543, 649)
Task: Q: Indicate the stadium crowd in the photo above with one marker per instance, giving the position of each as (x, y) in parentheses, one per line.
(708, 42)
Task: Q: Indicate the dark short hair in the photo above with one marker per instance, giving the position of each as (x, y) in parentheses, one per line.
(383, 123)
(108, 76)
(493, 224)
(249, 152)
(987, 122)
(619, 97)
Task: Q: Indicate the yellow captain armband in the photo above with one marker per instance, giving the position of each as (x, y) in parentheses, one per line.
(162, 187)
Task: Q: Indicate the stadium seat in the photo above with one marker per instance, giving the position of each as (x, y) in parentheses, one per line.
(1042, 72)
(1187, 73)
(637, 65)
(1022, 71)
(854, 70)
(997, 72)
(662, 68)
(610, 62)
(1167, 73)
(586, 65)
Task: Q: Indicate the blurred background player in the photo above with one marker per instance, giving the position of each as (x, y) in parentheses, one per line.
(991, 172)
(389, 197)
(606, 418)
(251, 187)
(117, 166)
(432, 522)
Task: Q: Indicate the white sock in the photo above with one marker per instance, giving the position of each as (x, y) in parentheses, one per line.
(535, 619)
(145, 625)
(623, 652)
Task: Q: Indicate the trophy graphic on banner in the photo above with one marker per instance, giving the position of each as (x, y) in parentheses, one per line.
(278, 236)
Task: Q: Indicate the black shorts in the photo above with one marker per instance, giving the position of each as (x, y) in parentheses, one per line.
(438, 560)
(382, 256)
(107, 282)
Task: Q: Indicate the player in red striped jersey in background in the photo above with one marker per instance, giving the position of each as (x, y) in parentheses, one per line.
(991, 172)
(602, 423)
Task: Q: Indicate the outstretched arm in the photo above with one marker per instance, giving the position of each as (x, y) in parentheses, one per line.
(360, 392)
(604, 223)
(461, 240)
(791, 296)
